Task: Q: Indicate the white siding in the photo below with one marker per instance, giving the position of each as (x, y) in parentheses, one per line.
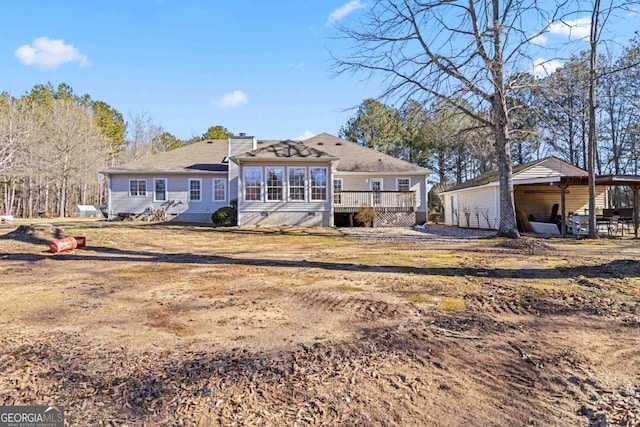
(536, 172)
(480, 204)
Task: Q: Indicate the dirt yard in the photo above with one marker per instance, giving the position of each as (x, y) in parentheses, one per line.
(195, 326)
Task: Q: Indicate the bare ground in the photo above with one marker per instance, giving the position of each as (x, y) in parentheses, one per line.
(182, 325)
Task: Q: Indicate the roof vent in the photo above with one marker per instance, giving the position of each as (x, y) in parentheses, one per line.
(320, 143)
(242, 134)
(209, 142)
(338, 143)
(379, 160)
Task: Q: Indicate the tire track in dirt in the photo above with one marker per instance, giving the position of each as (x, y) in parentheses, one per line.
(363, 308)
(473, 372)
(552, 304)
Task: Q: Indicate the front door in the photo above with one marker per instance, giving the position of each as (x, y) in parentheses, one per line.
(376, 187)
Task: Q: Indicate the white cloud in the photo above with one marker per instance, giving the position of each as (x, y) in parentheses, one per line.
(233, 99)
(344, 10)
(545, 67)
(305, 135)
(47, 53)
(579, 28)
(540, 40)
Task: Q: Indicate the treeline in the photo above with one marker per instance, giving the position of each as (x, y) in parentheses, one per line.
(53, 143)
(549, 116)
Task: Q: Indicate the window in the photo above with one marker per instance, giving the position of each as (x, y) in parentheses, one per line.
(403, 184)
(137, 187)
(252, 183)
(195, 190)
(297, 178)
(219, 189)
(337, 189)
(159, 190)
(318, 183)
(275, 183)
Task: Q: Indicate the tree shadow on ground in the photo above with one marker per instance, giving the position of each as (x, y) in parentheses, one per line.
(617, 268)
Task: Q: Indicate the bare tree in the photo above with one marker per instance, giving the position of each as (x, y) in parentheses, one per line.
(143, 136)
(457, 52)
(76, 148)
(17, 125)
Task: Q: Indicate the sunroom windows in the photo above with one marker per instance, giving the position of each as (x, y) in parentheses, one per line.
(297, 180)
(291, 184)
(275, 183)
(253, 184)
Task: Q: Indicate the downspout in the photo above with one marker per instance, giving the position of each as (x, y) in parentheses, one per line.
(109, 213)
(238, 191)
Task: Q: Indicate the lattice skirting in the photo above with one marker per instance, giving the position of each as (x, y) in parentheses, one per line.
(394, 219)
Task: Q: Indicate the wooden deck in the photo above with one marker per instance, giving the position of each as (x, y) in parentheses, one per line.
(381, 201)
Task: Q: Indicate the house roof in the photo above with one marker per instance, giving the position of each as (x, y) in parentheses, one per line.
(557, 166)
(272, 150)
(353, 157)
(202, 156)
(209, 156)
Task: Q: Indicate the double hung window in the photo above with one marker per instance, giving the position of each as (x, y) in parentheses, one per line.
(297, 178)
(137, 187)
(252, 184)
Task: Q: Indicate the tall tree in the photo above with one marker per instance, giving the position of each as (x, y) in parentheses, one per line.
(112, 125)
(524, 118)
(144, 136)
(375, 126)
(217, 132)
(451, 51)
(415, 123)
(563, 106)
(17, 127)
(75, 149)
(593, 63)
(168, 142)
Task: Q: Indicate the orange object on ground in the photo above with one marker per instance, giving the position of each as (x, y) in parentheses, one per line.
(81, 240)
(66, 244)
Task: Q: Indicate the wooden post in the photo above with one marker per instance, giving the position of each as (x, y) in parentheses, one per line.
(635, 189)
(563, 208)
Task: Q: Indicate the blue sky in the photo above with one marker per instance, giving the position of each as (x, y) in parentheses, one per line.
(259, 67)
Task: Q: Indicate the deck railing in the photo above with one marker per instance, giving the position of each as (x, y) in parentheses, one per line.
(382, 201)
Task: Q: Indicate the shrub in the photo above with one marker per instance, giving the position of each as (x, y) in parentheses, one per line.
(366, 215)
(434, 217)
(225, 216)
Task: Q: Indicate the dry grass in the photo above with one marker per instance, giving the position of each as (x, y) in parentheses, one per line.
(274, 326)
(452, 304)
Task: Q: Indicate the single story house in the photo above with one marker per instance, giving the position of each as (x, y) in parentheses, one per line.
(322, 181)
(537, 186)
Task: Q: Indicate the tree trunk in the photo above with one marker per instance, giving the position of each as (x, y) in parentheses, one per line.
(593, 229)
(508, 226)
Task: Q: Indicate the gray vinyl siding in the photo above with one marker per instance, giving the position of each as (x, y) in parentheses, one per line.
(178, 206)
(237, 145)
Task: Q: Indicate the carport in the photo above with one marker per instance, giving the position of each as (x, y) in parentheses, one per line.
(631, 181)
